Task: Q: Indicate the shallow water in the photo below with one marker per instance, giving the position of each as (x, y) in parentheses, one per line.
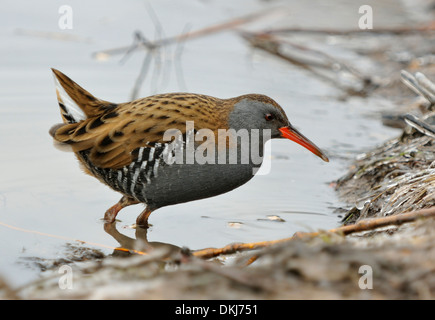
(44, 190)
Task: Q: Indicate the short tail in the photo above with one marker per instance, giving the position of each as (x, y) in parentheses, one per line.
(77, 104)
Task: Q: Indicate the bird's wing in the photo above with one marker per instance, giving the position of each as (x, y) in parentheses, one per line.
(112, 137)
(113, 132)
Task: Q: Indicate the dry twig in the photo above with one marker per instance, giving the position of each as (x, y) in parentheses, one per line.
(152, 48)
(365, 225)
(311, 60)
(395, 31)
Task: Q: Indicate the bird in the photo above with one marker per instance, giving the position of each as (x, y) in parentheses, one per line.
(124, 145)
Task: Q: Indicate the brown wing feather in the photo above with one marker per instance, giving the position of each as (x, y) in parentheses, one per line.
(112, 136)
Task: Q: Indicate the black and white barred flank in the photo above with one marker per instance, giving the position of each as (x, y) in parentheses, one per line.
(133, 179)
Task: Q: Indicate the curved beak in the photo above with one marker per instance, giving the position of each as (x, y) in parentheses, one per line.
(294, 135)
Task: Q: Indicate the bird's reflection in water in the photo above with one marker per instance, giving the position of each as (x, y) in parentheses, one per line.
(139, 245)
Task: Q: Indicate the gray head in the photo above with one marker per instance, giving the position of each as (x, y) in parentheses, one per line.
(256, 111)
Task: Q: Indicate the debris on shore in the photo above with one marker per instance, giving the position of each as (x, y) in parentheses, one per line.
(398, 176)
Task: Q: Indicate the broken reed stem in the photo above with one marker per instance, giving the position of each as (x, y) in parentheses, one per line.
(268, 42)
(364, 225)
(220, 27)
(396, 31)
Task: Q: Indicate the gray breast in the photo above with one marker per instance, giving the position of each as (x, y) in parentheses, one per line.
(179, 183)
(162, 175)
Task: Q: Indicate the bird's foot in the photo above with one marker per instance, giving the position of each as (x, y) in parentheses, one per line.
(112, 212)
(142, 219)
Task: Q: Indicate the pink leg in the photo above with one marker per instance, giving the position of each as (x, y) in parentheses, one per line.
(142, 219)
(112, 212)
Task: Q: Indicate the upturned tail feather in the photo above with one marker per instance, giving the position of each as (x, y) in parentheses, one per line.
(90, 124)
(76, 105)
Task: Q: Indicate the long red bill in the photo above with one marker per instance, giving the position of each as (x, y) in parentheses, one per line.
(294, 135)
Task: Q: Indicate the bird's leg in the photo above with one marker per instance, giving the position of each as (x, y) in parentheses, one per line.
(142, 219)
(111, 213)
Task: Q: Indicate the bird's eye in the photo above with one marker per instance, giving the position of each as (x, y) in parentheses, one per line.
(269, 117)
